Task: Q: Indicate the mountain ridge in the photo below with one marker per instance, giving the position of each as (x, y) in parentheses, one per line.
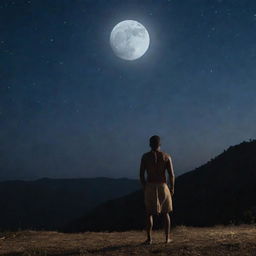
(221, 191)
(50, 203)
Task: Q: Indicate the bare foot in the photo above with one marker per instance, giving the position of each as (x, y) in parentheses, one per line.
(169, 240)
(148, 241)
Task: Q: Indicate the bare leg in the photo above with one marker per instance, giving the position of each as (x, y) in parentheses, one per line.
(149, 227)
(167, 227)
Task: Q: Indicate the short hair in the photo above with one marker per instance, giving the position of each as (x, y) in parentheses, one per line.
(154, 140)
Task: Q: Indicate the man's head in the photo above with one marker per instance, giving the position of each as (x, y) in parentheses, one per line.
(154, 142)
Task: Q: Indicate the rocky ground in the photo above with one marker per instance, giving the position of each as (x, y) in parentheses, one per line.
(230, 240)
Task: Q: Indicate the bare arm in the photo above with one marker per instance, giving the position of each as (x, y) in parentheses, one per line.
(142, 172)
(171, 174)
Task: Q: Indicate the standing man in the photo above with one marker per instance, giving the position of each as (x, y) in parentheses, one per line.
(157, 195)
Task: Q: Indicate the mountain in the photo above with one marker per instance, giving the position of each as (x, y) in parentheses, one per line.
(51, 203)
(222, 191)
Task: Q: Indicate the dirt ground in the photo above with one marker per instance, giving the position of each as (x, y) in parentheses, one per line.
(231, 240)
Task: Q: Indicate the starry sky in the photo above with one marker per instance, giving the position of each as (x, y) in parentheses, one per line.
(70, 108)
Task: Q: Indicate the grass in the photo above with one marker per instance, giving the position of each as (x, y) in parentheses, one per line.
(187, 241)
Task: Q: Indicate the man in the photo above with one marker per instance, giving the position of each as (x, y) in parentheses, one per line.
(157, 195)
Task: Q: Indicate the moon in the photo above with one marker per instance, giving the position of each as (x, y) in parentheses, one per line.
(129, 40)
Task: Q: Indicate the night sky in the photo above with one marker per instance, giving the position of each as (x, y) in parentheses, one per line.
(70, 108)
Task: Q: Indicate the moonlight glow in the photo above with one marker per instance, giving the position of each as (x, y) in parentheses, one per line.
(129, 40)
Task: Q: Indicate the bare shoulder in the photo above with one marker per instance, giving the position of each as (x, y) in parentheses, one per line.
(166, 156)
(145, 155)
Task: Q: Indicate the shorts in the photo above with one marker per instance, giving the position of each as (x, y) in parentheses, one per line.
(157, 198)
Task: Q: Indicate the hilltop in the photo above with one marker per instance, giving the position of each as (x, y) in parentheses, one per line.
(187, 241)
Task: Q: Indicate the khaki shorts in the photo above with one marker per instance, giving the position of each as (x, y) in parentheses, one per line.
(157, 198)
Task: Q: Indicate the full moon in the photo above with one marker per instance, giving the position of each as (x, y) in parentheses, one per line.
(129, 40)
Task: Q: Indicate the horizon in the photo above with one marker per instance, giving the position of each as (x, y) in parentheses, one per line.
(69, 107)
(118, 178)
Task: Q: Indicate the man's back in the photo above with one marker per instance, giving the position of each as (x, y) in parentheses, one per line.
(156, 162)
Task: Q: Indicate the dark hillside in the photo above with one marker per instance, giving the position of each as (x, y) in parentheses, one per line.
(222, 191)
(51, 203)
